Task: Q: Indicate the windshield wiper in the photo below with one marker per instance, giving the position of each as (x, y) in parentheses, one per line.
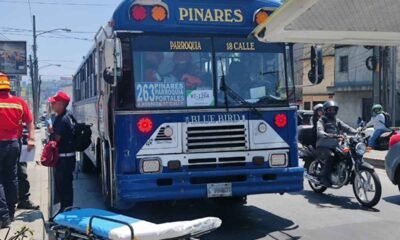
(235, 96)
(270, 72)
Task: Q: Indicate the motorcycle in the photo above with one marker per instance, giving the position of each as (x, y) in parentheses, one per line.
(349, 168)
(382, 141)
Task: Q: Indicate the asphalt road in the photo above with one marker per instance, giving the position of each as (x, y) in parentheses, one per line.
(304, 215)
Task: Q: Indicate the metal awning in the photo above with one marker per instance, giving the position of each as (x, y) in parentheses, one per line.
(353, 22)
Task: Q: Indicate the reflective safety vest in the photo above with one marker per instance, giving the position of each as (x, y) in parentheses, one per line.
(13, 112)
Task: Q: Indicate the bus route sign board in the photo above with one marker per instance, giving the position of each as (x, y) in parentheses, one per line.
(153, 95)
(13, 57)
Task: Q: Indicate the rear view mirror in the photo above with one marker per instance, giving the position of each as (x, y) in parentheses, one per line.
(113, 60)
(316, 73)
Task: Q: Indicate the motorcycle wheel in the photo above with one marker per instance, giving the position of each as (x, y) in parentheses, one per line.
(367, 181)
(314, 168)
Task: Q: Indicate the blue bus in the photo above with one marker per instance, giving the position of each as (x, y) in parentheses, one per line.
(185, 105)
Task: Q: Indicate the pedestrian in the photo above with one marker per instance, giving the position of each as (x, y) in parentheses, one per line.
(62, 132)
(13, 112)
(23, 183)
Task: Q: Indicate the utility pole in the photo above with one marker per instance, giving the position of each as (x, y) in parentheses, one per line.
(376, 76)
(35, 67)
(393, 85)
(385, 77)
(35, 73)
(33, 82)
(38, 92)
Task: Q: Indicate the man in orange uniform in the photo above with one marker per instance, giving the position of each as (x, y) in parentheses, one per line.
(13, 112)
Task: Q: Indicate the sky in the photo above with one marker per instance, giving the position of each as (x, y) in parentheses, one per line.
(84, 19)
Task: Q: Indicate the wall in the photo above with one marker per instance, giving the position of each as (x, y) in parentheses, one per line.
(358, 74)
(350, 104)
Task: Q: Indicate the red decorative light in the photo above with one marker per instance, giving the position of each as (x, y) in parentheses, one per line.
(145, 125)
(138, 13)
(281, 120)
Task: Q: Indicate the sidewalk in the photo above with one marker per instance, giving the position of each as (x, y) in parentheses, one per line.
(38, 178)
(376, 158)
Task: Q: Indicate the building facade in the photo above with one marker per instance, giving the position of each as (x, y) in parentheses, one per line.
(353, 86)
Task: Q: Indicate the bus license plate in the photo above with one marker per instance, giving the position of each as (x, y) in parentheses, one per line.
(219, 190)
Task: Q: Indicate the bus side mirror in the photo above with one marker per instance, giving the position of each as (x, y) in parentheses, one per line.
(113, 61)
(316, 73)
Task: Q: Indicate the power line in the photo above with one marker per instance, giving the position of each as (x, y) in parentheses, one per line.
(58, 60)
(68, 37)
(10, 29)
(4, 36)
(58, 3)
(56, 37)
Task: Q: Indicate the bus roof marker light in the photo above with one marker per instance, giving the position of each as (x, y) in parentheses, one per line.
(138, 12)
(159, 13)
(261, 16)
(281, 120)
(145, 125)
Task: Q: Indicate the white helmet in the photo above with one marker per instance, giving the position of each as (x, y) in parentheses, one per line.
(318, 106)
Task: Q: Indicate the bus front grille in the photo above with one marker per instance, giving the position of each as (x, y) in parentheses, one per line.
(216, 138)
(221, 162)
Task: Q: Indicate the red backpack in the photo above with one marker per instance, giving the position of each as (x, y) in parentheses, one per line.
(50, 154)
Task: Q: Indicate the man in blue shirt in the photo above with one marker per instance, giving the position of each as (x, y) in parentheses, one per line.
(62, 131)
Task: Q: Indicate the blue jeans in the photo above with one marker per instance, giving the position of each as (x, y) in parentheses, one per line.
(374, 137)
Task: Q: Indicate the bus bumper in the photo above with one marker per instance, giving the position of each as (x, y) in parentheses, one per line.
(191, 185)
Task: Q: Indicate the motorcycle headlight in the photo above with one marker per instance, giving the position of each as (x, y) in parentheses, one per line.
(361, 148)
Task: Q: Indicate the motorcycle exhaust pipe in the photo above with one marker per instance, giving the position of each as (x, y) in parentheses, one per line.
(312, 179)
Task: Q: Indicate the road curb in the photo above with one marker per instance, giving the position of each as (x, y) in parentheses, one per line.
(376, 162)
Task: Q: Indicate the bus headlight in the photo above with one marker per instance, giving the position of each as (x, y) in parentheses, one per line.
(278, 160)
(168, 132)
(151, 165)
(361, 148)
(262, 127)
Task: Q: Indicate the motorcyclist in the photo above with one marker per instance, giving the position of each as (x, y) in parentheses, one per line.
(378, 121)
(318, 113)
(329, 130)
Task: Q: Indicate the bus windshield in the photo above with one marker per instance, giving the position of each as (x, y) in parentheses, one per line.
(253, 71)
(173, 72)
(186, 72)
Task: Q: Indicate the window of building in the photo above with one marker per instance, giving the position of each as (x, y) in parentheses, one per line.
(343, 64)
(307, 105)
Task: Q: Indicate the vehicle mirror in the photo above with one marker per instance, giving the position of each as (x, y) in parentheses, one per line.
(316, 73)
(113, 61)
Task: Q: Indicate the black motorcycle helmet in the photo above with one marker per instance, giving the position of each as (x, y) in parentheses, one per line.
(331, 109)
